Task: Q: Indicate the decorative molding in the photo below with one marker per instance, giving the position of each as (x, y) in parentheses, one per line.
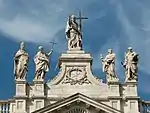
(38, 97)
(129, 83)
(21, 97)
(20, 82)
(131, 98)
(77, 110)
(114, 97)
(38, 87)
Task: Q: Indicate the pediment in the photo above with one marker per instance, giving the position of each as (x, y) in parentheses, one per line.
(77, 103)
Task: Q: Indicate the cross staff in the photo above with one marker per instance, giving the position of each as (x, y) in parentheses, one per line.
(53, 43)
(80, 20)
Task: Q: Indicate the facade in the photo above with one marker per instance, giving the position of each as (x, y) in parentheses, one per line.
(74, 89)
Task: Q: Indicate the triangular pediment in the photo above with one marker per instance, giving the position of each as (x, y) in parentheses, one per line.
(77, 102)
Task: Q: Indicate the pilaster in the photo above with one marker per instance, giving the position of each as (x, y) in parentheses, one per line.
(114, 86)
(21, 96)
(130, 96)
(115, 99)
(38, 94)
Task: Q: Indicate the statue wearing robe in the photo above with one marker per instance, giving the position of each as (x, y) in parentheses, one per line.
(108, 65)
(73, 34)
(41, 60)
(21, 60)
(130, 64)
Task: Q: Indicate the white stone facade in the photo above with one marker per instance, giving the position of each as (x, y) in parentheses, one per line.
(75, 83)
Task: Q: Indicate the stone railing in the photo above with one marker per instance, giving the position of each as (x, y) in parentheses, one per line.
(5, 106)
(145, 106)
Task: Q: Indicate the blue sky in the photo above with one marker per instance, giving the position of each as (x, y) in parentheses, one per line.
(114, 24)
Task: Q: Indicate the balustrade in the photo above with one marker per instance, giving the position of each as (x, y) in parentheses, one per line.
(4, 106)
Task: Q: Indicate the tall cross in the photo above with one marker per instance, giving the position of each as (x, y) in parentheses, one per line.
(80, 18)
(53, 43)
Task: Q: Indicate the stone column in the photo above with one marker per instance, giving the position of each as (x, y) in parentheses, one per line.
(38, 94)
(21, 96)
(130, 96)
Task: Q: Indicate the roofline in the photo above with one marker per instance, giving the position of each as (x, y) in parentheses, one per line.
(75, 96)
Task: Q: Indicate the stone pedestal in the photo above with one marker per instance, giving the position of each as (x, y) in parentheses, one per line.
(21, 96)
(131, 98)
(114, 87)
(38, 94)
(130, 88)
(21, 88)
(115, 97)
(38, 88)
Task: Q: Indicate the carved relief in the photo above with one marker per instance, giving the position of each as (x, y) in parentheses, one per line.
(38, 88)
(76, 75)
(77, 110)
(19, 104)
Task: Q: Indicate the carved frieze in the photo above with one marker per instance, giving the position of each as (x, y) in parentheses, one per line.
(76, 75)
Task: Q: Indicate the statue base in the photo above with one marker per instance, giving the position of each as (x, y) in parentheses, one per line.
(113, 81)
(21, 95)
(20, 80)
(38, 87)
(75, 52)
(114, 87)
(131, 81)
(21, 87)
(38, 81)
(75, 49)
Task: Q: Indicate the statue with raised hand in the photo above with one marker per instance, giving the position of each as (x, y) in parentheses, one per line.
(42, 63)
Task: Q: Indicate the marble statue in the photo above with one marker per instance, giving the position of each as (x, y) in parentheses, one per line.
(41, 60)
(108, 66)
(73, 34)
(130, 64)
(21, 60)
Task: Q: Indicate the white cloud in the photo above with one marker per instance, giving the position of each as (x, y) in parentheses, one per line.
(29, 23)
(36, 20)
(26, 29)
(1, 2)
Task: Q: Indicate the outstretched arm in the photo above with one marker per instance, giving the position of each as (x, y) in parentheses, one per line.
(101, 56)
(48, 54)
